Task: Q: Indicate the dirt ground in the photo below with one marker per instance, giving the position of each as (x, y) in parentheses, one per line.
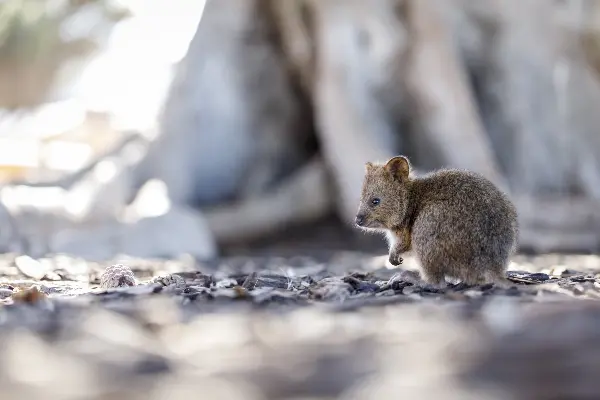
(283, 328)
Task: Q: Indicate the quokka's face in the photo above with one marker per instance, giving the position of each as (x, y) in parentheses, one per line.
(383, 200)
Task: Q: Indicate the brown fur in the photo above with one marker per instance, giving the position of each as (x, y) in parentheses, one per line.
(458, 223)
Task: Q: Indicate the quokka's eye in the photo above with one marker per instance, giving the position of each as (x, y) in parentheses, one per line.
(375, 202)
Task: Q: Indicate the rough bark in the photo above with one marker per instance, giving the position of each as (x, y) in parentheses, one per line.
(535, 93)
(354, 49)
(230, 125)
(506, 91)
(305, 197)
(445, 112)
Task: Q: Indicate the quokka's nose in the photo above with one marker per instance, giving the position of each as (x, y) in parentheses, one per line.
(360, 220)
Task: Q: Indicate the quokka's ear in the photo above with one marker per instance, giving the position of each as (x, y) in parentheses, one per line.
(368, 166)
(398, 167)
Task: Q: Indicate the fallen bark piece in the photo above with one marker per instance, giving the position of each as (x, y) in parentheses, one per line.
(173, 280)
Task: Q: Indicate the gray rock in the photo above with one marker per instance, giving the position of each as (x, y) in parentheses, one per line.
(179, 231)
(9, 234)
(98, 243)
(30, 267)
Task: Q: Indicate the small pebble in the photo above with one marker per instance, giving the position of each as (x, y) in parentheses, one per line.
(30, 267)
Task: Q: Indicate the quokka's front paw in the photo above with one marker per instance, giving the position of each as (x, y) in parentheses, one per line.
(395, 259)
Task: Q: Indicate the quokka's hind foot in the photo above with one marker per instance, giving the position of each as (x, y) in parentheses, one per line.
(499, 280)
(434, 280)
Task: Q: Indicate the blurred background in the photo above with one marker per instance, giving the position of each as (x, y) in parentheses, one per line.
(126, 127)
(164, 128)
